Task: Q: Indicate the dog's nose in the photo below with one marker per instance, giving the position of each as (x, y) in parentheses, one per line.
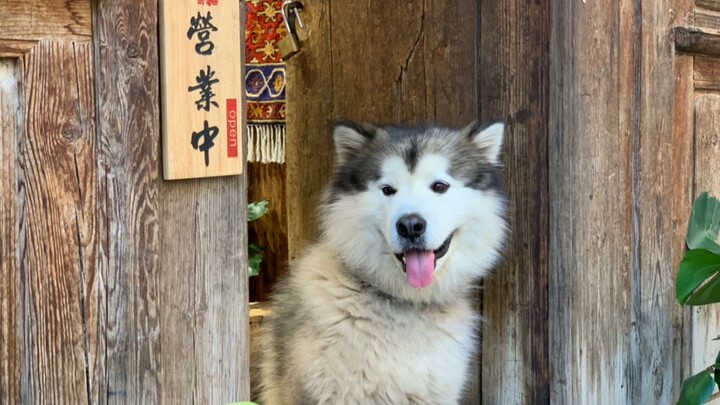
(411, 226)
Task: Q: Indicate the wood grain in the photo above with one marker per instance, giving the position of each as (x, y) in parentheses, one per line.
(57, 178)
(10, 327)
(704, 41)
(683, 156)
(709, 4)
(46, 19)
(706, 320)
(514, 85)
(204, 318)
(308, 147)
(590, 154)
(129, 161)
(659, 196)
(174, 254)
(706, 74)
(267, 181)
(707, 19)
(180, 116)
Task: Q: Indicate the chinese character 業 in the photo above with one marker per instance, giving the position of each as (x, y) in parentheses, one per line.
(202, 26)
(205, 80)
(207, 134)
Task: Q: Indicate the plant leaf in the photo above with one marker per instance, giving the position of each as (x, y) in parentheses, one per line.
(255, 248)
(254, 264)
(257, 209)
(697, 389)
(696, 267)
(704, 224)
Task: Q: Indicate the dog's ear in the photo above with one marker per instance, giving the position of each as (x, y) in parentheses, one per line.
(489, 138)
(350, 138)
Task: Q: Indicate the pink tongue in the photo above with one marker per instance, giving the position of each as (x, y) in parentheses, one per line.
(420, 266)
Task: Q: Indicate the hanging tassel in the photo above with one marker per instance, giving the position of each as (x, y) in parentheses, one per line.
(266, 143)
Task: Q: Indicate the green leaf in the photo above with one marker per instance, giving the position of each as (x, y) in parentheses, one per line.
(696, 267)
(704, 224)
(257, 209)
(255, 248)
(697, 389)
(254, 260)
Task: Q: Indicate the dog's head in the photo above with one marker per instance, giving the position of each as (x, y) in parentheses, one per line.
(417, 212)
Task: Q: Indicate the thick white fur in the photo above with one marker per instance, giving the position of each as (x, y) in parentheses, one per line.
(360, 229)
(353, 346)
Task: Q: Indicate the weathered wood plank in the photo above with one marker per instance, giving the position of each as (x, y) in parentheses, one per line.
(656, 333)
(11, 48)
(57, 178)
(707, 19)
(709, 4)
(693, 40)
(309, 140)
(177, 326)
(46, 19)
(204, 318)
(10, 326)
(514, 85)
(706, 319)
(590, 153)
(267, 181)
(706, 74)
(129, 132)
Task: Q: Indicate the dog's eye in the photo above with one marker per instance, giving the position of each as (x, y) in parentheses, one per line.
(387, 190)
(440, 187)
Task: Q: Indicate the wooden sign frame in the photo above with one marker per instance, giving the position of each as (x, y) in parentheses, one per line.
(201, 88)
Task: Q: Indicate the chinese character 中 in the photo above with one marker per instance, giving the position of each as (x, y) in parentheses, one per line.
(207, 134)
(205, 80)
(202, 26)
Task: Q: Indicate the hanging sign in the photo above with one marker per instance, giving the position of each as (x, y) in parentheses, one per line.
(201, 85)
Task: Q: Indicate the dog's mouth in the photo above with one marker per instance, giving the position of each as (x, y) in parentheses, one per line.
(419, 265)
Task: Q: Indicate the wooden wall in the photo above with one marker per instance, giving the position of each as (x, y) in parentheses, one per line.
(606, 137)
(116, 286)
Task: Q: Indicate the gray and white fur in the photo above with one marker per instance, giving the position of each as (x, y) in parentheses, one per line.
(379, 309)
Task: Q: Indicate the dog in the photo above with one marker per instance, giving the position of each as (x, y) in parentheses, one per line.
(380, 309)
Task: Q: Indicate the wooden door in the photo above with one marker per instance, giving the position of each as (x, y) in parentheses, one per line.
(115, 287)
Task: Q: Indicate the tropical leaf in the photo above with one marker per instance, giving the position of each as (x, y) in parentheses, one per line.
(698, 278)
(704, 224)
(698, 388)
(257, 209)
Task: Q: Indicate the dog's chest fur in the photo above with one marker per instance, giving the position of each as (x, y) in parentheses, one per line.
(392, 352)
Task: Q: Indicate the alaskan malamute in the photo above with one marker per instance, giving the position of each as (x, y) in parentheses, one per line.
(379, 309)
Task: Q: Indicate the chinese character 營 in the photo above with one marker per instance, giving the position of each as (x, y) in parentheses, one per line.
(205, 80)
(207, 134)
(202, 26)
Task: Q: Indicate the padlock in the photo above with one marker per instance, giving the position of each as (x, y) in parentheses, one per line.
(290, 45)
